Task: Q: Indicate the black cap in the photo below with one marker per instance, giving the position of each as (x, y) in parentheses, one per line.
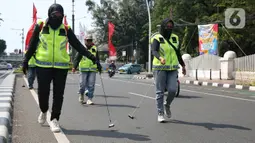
(55, 8)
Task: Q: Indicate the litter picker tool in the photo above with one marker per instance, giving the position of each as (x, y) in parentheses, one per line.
(109, 115)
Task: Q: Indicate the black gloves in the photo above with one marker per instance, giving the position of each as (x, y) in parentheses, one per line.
(25, 67)
(99, 67)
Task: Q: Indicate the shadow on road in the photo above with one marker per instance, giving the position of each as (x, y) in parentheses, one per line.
(111, 96)
(188, 97)
(107, 134)
(114, 105)
(210, 126)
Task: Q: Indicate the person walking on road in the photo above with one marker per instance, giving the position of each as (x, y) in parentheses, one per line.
(31, 73)
(48, 45)
(165, 66)
(88, 71)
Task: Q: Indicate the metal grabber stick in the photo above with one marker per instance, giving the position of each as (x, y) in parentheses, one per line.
(109, 116)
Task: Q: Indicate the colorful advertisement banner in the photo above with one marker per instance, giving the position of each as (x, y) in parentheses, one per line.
(208, 39)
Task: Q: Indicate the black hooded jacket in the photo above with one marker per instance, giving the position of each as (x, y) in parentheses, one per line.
(166, 34)
(54, 24)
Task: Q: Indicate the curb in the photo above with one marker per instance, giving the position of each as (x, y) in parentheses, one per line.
(214, 84)
(6, 107)
(203, 83)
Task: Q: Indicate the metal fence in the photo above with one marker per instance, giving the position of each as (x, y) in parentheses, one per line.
(204, 62)
(246, 63)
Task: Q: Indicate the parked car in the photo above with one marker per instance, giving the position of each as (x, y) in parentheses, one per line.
(5, 66)
(130, 68)
(9, 66)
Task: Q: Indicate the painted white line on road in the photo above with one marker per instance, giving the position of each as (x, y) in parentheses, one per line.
(60, 137)
(218, 95)
(131, 82)
(224, 96)
(141, 95)
(7, 72)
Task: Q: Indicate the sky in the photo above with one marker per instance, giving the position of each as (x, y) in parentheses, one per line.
(17, 14)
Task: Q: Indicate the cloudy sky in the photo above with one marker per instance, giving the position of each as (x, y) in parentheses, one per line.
(17, 14)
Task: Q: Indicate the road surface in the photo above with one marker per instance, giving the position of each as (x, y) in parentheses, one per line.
(3, 74)
(200, 115)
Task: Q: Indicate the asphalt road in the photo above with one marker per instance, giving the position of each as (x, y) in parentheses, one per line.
(200, 115)
(3, 74)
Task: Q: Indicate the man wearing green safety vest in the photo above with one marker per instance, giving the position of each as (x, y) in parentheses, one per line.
(167, 56)
(88, 71)
(48, 44)
(31, 73)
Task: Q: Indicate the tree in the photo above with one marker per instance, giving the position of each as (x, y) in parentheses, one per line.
(2, 46)
(206, 12)
(130, 20)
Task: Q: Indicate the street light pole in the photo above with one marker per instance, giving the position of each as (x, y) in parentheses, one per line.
(22, 42)
(73, 51)
(22, 39)
(149, 56)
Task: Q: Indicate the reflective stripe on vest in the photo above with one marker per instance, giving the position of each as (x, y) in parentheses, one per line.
(51, 51)
(86, 64)
(167, 52)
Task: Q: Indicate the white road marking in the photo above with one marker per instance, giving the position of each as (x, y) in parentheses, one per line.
(5, 73)
(218, 95)
(60, 136)
(141, 95)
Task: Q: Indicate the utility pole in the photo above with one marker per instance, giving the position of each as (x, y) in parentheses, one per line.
(22, 39)
(149, 52)
(73, 51)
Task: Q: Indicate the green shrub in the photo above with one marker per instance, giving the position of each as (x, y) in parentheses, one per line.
(18, 70)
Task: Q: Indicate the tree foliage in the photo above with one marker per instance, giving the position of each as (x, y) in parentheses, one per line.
(131, 23)
(2, 46)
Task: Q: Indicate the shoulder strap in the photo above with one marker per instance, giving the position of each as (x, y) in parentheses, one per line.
(171, 45)
(41, 26)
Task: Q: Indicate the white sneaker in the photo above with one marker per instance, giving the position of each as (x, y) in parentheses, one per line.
(161, 118)
(54, 126)
(89, 102)
(42, 118)
(81, 98)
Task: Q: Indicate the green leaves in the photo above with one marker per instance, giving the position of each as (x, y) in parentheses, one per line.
(2, 46)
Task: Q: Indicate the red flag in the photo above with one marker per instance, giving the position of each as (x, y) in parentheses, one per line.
(65, 22)
(34, 12)
(112, 50)
(31, 29)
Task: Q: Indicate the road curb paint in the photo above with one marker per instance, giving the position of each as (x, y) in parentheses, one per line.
(6, 108)
(214, 84)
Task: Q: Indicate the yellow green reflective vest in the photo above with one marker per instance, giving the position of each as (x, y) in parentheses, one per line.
(86, 64)
(167, 52)
(31, 62)
(51, 51)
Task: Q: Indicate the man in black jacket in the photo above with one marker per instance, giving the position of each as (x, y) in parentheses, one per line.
(47, 45)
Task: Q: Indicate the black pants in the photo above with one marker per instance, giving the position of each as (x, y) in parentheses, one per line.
(44, 78)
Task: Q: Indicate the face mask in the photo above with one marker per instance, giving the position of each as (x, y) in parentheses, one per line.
(55, 20)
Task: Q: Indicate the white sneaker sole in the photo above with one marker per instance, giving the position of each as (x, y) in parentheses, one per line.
(55, 130)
